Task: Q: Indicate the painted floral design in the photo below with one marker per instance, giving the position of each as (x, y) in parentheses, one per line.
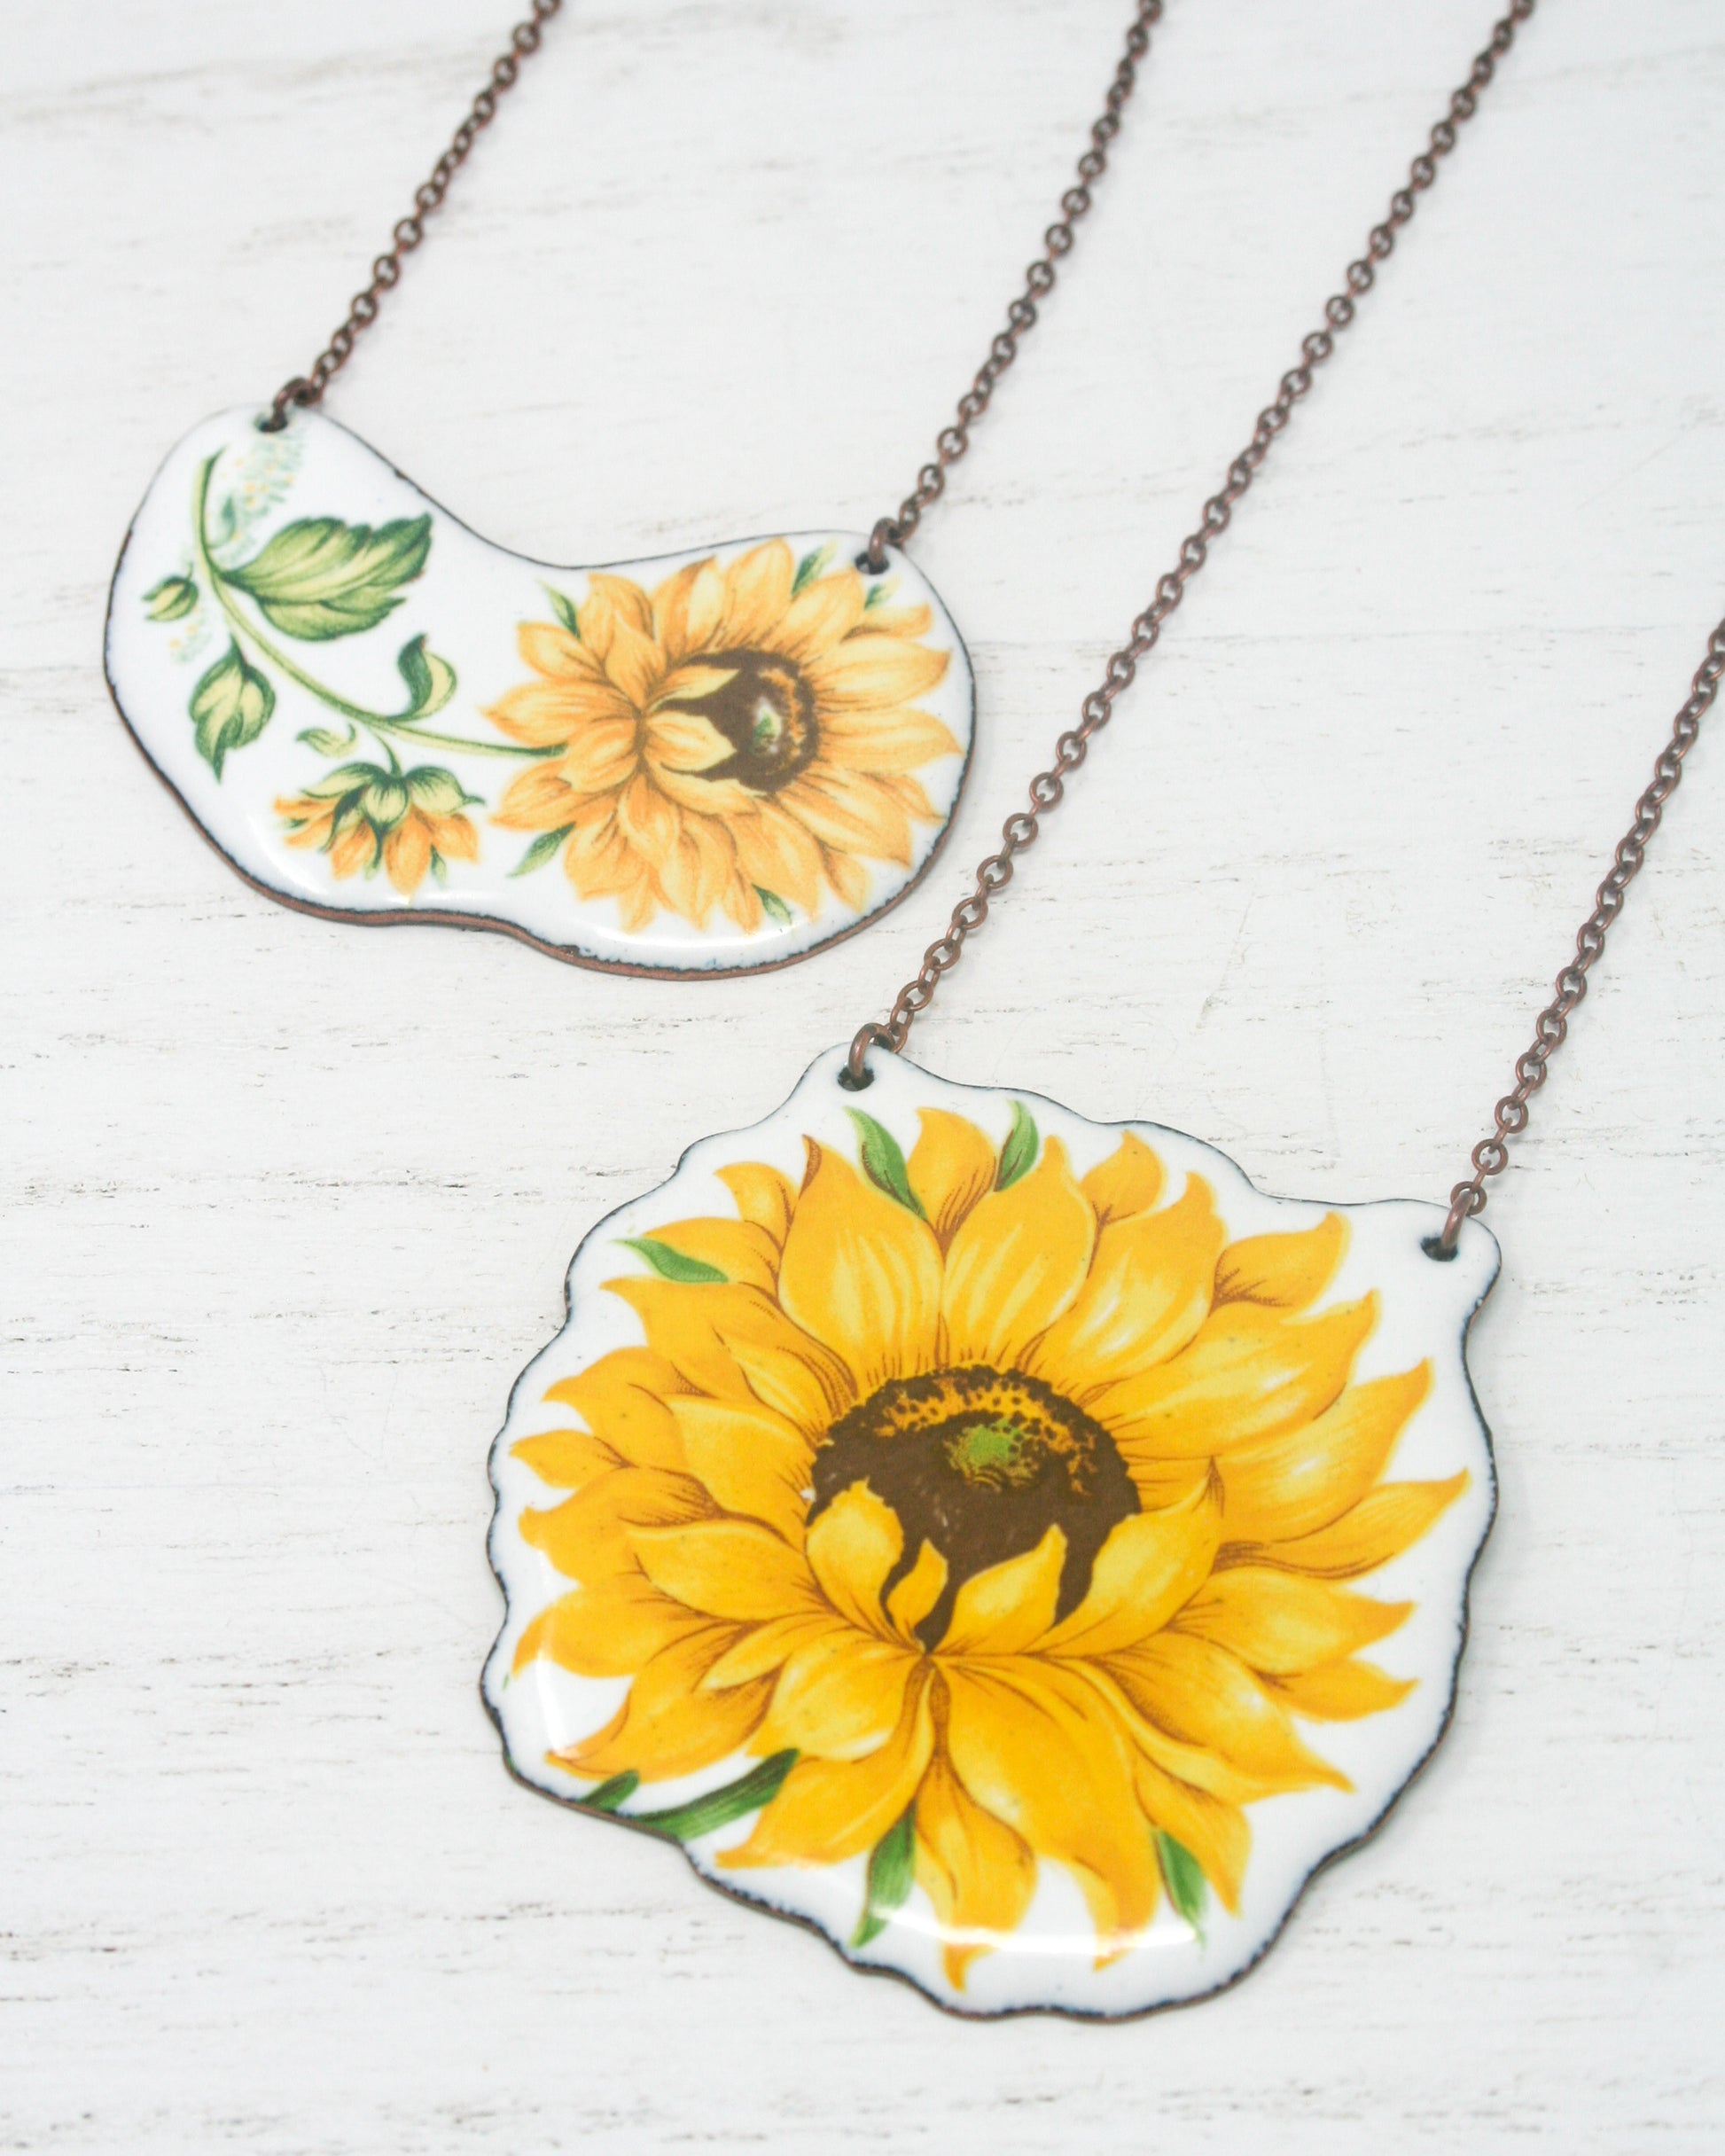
(1005, 1515)
(366, 818)
(740, 738)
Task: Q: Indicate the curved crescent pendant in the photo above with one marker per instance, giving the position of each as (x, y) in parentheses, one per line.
(698, 764)
(1015, 1547)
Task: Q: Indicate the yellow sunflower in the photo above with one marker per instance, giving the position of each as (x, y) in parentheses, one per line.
(1008, 1508)
(740, 738)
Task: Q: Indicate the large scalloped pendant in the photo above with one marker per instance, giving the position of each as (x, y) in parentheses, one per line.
(1015, 1547)
(704, 764)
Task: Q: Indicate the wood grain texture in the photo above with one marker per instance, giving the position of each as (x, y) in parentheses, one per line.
(288, 1203)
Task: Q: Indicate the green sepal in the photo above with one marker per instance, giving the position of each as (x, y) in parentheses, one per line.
(672, 1265)
(774, 907)
(542, 850)
(879, 593)
(609, 1794)
(706, 1815)
(438, 792)
(892, 1870)
(172, 599)
(1183, 1875)
(320, 578)
(326, 741)
(563, 607)
(1017, 1156)
(882, 1163)
(810, 567)
(431, 680)
(230, 708)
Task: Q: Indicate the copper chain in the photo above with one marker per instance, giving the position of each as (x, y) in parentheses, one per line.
(1491, 1156)
(1039, 279)
(1047, 788)
(953, 441)
(524, 40)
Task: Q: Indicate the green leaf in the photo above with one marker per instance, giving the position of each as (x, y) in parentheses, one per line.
(774, 907)
(882, 1163)
(431, 680)
(706, 1815)
(326, 741)
(879, 593)
(563, 607)
(1188, 1889)
(172, 599)
(810, 567)
(541, 851)
(609, 1794)
(892, 1867)
(230, 706)
(672, 1265)
(319, 578)
(1017, 1156)
(438, 792)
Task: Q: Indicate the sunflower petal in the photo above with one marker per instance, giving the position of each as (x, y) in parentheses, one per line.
(917, 1594)
(1250, 1374)
(874, 673)
(1288, 1272)
(757, 595)
(729, 1568)
(953, 1166)
(1008, 1608)
(1146, 1570)
(838, 1698)
(861, 1273)
(849, 812)
(1129, 1181)
(735, 1343)
(755, 1464)
(1215, 1831)
(1036, 1746)
(1308, 1476)
(566, 1459)
(687, 607)
(1384, 1523)
(587, 1536)
(763, 1196)
(670, 1724)
(744, 1254)
(831, 1809)
(821, 616)
(1146, 1295)
(609, 1629)
(1280, 1623)
(881, 742)
(1344, 1691)
(777, 853)
(610, 602)
(622, 1398)
(1204, 1697)
(1015, 1264)
(852, 1547)
(978, 1874)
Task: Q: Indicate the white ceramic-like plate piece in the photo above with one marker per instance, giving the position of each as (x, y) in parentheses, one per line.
(705, 762)
(1014, 1546)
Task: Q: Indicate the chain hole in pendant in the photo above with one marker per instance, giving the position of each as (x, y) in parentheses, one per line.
(1434, 1247)
(857, 1085)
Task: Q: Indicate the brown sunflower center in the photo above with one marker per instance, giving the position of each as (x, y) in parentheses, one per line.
(981, 1464)
(766, 711)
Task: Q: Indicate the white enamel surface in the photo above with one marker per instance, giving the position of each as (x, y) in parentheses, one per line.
(468, 603)
(1050, 1961)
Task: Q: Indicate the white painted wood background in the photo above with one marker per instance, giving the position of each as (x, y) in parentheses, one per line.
(288, 1203)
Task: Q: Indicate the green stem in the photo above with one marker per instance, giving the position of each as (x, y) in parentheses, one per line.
(379, 722)
(719, 1807)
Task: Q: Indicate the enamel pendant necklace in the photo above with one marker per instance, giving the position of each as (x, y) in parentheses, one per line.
(1018, 1548)
(704, 763)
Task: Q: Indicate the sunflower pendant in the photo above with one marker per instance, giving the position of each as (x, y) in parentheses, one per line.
(701, 764)
(1014, 1546)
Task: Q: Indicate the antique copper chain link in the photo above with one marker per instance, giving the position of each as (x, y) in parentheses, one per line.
(953, 441)
(524, 40)
(1490, 1156)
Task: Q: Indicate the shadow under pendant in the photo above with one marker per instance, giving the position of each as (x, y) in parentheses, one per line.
(1014, 1546)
